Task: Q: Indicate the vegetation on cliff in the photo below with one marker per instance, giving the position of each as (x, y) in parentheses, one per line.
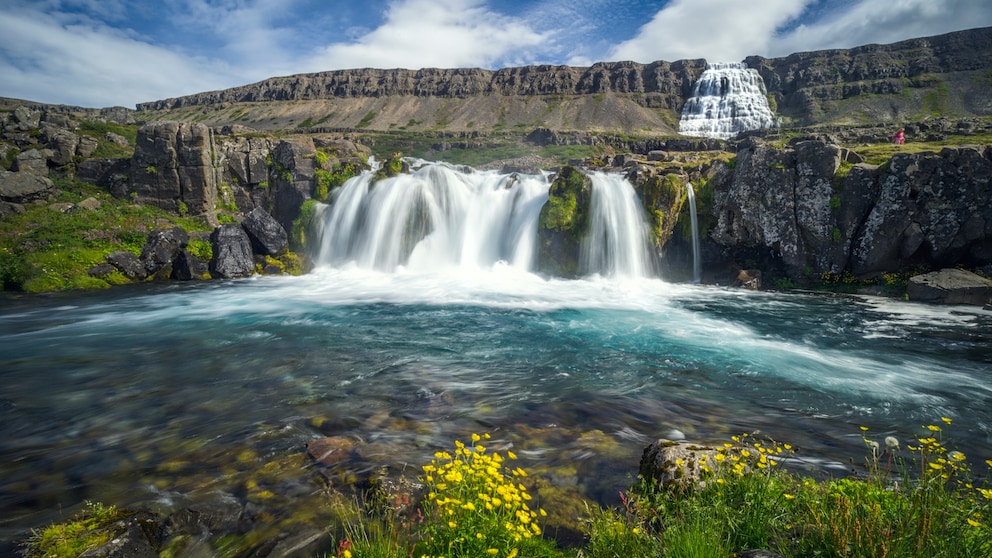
(51, 247)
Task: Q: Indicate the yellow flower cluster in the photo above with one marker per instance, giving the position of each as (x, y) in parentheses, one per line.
(478, 498)
(747, 454)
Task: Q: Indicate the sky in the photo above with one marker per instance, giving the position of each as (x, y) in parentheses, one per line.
(101, 53)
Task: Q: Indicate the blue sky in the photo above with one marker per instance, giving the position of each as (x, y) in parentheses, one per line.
(99, 53)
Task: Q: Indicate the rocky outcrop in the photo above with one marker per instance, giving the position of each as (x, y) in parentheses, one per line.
(794, 210)
(172, 168)
(563, 222)
(813, 86)
(931, 208)
(20, 188)
(291, 178)
(943, 74)
(665, 83)
(950, 286)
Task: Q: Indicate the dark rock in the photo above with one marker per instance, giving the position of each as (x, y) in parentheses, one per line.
(950, 286)
(291, 179)
(102, 172)
(188, 267)
(7, 208)
(161, 250)
(266, 234)
(220, 512)
(101, 270)
(137, 536)
(232, 252)
(24, 187)
(172, 168)
(128, 264)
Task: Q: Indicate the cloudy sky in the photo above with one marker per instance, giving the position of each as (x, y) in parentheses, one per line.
(99, 53)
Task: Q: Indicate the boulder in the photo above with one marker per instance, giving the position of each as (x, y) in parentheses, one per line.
(669, 463)
(232, 252)
(266, 234)
(87, 146)
(24, 187)
(188, 267)
(950, 286)
(128, 264)
(64, 145)
(32, 161)
(161, 250)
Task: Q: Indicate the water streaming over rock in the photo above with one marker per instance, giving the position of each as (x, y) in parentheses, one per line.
(441, 216)
(617, 244)
(694, 222)
(728, 99)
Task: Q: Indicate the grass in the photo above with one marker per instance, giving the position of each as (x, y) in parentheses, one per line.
(912, 500)
(45, 249)
(917, 501)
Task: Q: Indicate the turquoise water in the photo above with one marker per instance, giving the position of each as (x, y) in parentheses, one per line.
(100, 389)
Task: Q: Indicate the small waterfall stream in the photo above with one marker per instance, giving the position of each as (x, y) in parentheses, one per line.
(727, 99)
(693, 221)
(617, 244)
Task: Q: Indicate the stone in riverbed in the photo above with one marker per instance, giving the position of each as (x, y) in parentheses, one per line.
(950, 286)
(332, 450)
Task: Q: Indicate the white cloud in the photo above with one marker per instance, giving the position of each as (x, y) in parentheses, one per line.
(718, 30)
(433, 33)
(883, 22)
(92, 65)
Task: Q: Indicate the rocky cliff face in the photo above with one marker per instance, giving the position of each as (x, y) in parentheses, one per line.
(944, 75)
(797, 211)
(667, 82)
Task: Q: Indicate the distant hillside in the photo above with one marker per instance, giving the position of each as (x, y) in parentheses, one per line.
(947, 75)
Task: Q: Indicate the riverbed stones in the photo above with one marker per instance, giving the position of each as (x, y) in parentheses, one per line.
(950, 286)
(128, 264)
(331, 450)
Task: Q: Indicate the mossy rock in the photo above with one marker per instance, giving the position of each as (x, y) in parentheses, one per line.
(563, 222)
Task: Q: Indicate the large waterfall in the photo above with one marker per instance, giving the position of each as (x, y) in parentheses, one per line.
(728, 99)
(441, 217)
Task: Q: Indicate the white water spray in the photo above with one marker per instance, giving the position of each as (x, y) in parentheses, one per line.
(440, 217)
(617, 243)
(728, 99)
(433, 218)
(693, 221)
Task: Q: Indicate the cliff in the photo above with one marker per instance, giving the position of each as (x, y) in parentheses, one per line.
(947, 75)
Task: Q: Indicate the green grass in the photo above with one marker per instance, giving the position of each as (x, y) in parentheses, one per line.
(45, 249)
(108, 149)
(911, 498)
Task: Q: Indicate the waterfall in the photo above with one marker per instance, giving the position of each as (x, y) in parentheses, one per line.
(440, 216)
(617, 243)
(727, 99)
(435, 217)
(696, 265)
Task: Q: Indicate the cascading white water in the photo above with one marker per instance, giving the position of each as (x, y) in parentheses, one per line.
(435, 217)
(727, 99)
(439, 216)
(617, 243)
(693, 221)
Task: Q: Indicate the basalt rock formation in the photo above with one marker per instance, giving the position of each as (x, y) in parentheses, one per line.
(909, 80)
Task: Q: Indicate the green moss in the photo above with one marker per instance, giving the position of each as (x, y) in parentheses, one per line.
(86, 530)
(303, 225)
(366, 120)
(563, 212)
